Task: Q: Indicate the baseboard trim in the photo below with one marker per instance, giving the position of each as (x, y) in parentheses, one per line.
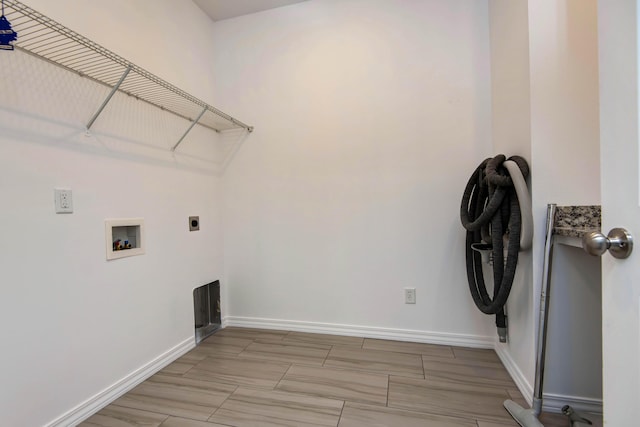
(460, 340)
(550, 402)
(514, 371)
(111, 393)
(555, 402)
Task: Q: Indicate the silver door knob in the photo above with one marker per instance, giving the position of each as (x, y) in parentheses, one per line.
(619, 243)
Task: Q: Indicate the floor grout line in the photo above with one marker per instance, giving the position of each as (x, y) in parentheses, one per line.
(324, 361)
(223, 402)
(164, 421)
(386, 404)
(275, 387)
(344, 402)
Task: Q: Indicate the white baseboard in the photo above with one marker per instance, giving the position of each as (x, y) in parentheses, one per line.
(555, 402)
(92, 405)
(550, 402)
(516, 374)
(461, 340)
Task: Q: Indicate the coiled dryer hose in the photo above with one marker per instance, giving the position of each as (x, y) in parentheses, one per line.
(491, 213)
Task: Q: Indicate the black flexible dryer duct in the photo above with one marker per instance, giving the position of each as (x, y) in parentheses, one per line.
(490, 212)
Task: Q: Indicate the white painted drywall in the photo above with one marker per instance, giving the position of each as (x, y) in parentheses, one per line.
(565, 149)
(511, 129)
(564, 102)
(370, 115)
(545, 107)
(574, 351)
(74, 323)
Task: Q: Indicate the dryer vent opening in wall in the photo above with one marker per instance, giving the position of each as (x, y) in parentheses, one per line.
(206, 302)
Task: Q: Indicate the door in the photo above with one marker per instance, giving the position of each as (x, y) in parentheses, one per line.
(618, 62)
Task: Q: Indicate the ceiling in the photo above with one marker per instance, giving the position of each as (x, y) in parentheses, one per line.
(225, 9)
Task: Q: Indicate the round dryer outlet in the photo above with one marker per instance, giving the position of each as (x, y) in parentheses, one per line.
(194, 223)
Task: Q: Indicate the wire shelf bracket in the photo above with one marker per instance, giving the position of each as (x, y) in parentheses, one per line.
(189, 130)
(108, 98)
(50, 41)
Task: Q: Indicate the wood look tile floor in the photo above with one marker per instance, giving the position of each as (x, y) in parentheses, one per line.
(253, 377)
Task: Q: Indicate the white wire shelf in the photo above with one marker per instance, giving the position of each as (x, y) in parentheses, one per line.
(48, 40)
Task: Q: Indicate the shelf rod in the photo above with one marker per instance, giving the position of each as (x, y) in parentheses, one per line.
(106, 101)
(190, 127)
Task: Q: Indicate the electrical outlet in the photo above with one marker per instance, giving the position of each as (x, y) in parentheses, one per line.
(409, 295)
(194, 223)
(63, 200)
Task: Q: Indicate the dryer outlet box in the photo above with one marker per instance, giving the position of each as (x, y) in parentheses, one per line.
(194, 223)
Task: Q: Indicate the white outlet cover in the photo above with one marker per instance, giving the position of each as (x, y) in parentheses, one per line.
(409, 295)
(63, 199)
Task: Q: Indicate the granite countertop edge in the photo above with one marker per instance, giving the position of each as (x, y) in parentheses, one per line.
(575, 221)
(573, 232)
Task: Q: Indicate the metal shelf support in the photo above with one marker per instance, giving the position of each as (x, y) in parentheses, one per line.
(189, 129)
(108, 98)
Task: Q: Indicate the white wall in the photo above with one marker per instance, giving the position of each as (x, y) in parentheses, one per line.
(511, 128)
(574, 352)
(74, 324)
(560, 110)
(565, 146)
(370, 116)
(564, 102)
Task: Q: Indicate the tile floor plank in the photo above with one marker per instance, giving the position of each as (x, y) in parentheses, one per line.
(471, 371)
(305, 354)
(338, 384)
(179, 367)
(260, 377)
(185, 422)
(250, 407)
(359, 415)
(408, 347)
(447, 398)
(179, 396)
(241, 372)
(476, 354)
(193, 356)
(294, 344)
(385, 362)
(217, 344)
(118, 416)
(250, 333)
(323, 339)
